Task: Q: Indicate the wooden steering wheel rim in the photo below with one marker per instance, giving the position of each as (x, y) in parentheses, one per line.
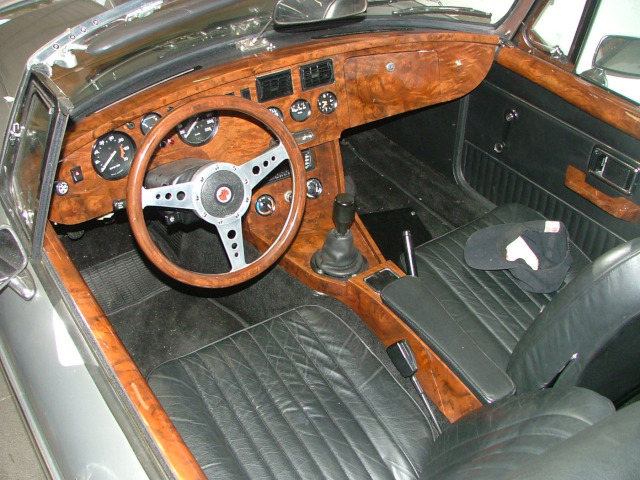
(143, 158)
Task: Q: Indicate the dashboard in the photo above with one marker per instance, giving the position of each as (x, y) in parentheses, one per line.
(318, 90)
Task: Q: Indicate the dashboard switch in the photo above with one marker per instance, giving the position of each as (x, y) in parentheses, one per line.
(120, 204)
(304, 136)
(76, 174)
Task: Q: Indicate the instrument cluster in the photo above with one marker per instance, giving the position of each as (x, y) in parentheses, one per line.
(113, 152)
(305, 98)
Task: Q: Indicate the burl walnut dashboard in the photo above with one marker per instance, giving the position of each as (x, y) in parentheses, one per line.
(318, 90)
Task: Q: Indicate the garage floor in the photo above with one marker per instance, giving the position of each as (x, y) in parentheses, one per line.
(18, 458)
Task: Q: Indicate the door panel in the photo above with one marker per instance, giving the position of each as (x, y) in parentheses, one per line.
(549, 135)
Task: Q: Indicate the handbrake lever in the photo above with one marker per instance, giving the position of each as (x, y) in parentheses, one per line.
(404, 360)
(410, 258)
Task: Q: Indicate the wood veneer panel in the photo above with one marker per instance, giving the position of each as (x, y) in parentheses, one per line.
(594, 100)
(168, 440)
(443, 387)
(386, 84)
(380, 85)
(619, 207)
(462, 62)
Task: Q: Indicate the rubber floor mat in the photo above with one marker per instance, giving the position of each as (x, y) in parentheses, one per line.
(122, 281)
(386, 229)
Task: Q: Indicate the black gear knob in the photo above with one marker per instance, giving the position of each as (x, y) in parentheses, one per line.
(344, 212)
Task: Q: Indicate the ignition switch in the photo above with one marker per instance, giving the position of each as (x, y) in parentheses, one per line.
(314, 188)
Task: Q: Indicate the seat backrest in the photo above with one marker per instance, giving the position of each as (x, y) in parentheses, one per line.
(589, 334)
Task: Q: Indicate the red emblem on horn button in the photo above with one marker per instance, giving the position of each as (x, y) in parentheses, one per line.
(223, 194)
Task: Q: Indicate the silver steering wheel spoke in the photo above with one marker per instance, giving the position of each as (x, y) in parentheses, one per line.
(231, 236)
(179, 195)
(256, 169)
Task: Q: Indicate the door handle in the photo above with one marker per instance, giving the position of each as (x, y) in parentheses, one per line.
(510, 117)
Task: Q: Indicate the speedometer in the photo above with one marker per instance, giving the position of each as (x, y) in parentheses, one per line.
(112, 154)
(199, 129)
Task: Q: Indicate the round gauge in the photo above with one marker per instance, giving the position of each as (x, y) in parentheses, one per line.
(327, 102)
(148, 121)
(265, 205)
(112, 154)
(277, 112)
(300, 110)
(199, 129)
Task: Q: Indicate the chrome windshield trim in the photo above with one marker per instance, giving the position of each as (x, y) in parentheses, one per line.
(59, 51)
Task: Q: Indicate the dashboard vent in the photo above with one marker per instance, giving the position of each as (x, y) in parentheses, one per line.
(316, 74)
(273, 86)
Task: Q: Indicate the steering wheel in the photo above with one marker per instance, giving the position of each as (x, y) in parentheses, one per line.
(219, 192)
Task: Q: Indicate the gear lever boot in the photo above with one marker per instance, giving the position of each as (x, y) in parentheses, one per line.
(338, 257)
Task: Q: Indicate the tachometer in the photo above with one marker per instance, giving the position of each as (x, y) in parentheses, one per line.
(199, 129)
(112, 154)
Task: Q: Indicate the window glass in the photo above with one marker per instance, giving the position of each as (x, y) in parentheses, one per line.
(613, 17)
(557, 24)
(29, 162)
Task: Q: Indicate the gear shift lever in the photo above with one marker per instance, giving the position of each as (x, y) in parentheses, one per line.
(344, 212)
(338, 257)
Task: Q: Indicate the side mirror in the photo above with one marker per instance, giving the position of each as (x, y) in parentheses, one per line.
(12, 257)
(295, 12)
(618, 55)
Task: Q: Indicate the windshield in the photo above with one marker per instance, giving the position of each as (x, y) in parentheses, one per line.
(148, 34)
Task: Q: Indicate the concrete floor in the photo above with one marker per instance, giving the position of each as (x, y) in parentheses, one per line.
(18, 457)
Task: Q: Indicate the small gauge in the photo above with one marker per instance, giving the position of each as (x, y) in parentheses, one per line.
(277, 112)
(199, 129)
(265, 205)
(300, 110)
(112, 154)
(148, 121)
(327, 102)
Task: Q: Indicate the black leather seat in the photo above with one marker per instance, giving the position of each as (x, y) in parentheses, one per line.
(301, 396)
(501, 339)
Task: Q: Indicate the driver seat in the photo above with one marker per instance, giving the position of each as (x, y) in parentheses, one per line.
(302, 396)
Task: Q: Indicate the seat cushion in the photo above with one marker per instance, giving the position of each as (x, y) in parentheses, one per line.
(297, 396)
(607, 450)
(301, 396)
(488, 305)
(496, 440)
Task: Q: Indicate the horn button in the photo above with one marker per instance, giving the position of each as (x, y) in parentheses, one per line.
(224, 192)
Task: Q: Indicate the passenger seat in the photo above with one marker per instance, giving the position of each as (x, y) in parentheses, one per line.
(500, 339)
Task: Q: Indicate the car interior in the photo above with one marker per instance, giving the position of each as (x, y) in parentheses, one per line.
(244, 279)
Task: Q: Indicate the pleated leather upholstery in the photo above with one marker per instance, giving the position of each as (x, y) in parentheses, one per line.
(496, 440)
(488, 305)
(297, 396)
(301, 396)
